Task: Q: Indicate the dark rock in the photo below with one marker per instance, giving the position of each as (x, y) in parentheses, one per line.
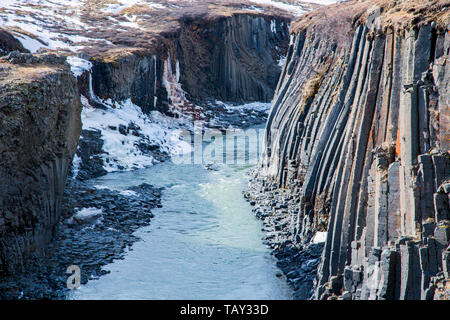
(39, 130)
(123, 129)
(8, 43)
(90, 150)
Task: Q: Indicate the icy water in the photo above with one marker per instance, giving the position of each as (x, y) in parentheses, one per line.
(204, 243)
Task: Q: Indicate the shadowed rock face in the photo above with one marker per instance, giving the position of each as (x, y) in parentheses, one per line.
(230, 59)
(39, 130)
(237, 58)
(8, 43)
(358, 141)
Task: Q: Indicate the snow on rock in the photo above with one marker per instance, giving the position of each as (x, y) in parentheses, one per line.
(281, 61)
(76, 162)
(319, 237)
(85, 215)
(179, 104)
(122, 151)
(120, 5)
(324, 2)
(129, 193)
(41, 24)
(72, 25)
(273, 26)
(29, 43)
(294, 9)
(79, 65)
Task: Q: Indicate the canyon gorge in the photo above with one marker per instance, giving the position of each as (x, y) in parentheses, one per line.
(352, 185)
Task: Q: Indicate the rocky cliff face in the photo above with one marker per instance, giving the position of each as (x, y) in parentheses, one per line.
(39, 130)
(161, 53)
(228, 58)
(357, 146)
(8, 43)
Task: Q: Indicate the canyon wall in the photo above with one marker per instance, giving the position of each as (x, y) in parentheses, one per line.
(231, 58)
(39, 130)
(357, 146)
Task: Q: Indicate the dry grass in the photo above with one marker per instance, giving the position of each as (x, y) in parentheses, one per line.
(406, 14)
(312, 86)
(13, 74)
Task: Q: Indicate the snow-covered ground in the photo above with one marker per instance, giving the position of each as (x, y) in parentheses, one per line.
(63, 24)
(122, 152)
(297, 10)
(323, 2)
(46, 24)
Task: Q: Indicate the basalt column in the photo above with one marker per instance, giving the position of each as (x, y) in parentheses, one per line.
(358, 133)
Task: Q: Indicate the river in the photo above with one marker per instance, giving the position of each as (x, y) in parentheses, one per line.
(204, 243)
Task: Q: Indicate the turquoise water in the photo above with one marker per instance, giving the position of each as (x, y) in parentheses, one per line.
(204, 243)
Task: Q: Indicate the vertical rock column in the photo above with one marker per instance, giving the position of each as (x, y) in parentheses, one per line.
(363, 112)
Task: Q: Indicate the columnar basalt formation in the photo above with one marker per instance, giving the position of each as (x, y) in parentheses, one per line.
(227, 58)
(357, 145)
(39, 130)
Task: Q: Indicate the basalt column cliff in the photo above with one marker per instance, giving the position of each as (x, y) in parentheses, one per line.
(39, 130)
(357, 146)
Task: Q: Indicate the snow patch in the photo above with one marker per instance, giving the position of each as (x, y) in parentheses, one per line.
(78, 65)
(122, 150)
(291, 39)
(253, 9)
(117, 8)
(42, 23)
(87, 213)
(76, 162)
(101, 187)
(281, 61)
(29, 43)
(129, 193)
(295, 10)
(324, 2)
(319, 237)
(273, 26)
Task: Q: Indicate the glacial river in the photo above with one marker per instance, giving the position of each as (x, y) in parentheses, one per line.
(204, 243)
